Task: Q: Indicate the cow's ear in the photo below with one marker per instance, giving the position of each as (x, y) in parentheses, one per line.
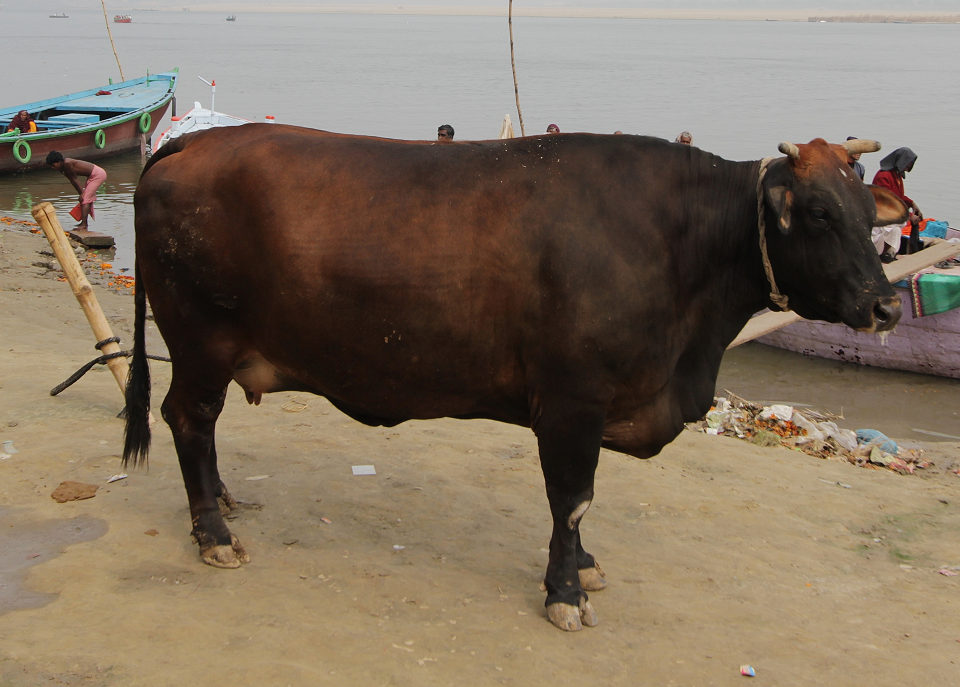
(890, 209)
(780, 199)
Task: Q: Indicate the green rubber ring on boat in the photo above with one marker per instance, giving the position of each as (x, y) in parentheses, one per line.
(100, 138)
(18, 151)
(145, 122)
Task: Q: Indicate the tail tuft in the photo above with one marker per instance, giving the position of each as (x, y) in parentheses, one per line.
(136, 434)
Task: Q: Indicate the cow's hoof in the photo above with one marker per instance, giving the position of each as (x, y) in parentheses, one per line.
(226, 501)
(222, 556)
(592, 579)
(572, 618)
(588, 616)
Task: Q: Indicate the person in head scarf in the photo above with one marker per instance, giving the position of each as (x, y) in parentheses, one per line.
(892, 170)
(23, 121)
(890, 176)
(553, 129)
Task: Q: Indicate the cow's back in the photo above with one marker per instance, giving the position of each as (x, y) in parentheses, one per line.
(376, 272)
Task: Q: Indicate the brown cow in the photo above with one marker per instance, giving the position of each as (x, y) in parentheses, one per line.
(582, 285)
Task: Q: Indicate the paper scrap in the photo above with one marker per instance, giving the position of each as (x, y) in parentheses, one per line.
(117, 477)
(364, 470)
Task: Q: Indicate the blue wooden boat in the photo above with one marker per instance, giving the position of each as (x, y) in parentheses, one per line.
(89, 125)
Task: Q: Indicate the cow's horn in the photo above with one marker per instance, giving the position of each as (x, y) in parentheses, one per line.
(789, 149)
(861, 145)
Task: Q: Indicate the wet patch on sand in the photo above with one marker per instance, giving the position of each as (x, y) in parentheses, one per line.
(24, 544)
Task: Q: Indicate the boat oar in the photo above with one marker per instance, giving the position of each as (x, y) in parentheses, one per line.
(108, 344)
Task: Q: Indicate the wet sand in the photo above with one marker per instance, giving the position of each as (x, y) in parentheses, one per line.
(718, 553)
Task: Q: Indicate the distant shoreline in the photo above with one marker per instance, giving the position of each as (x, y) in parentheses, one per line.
(798, 14)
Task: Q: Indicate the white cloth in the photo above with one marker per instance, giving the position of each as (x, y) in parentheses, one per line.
(889, 235)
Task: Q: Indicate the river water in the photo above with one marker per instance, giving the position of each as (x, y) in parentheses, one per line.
(739, 86)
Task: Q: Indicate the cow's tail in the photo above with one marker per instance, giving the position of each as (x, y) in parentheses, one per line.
(136, 434)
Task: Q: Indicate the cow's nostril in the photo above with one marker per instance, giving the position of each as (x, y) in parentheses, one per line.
(887, 314)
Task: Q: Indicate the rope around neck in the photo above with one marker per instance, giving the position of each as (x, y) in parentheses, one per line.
(779, 299)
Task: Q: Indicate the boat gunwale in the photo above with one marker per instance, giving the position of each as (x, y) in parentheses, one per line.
(121, 117)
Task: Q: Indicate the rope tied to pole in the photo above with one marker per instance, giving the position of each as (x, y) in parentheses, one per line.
(100, 360)
(779, 299)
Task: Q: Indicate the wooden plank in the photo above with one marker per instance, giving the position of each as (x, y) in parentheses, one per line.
(903, 266)
(91, 239)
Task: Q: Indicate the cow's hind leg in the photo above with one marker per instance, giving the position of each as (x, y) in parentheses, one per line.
(191, 408)
(569, 439)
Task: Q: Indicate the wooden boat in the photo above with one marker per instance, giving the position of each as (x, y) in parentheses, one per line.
(923, 343)
(122, 18)
(91, 124)
(200, 118)
(232, 17)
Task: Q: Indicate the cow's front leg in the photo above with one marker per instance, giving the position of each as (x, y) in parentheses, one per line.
(569, 438)
(192, 414)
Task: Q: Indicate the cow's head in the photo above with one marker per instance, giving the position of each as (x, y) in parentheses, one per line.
(818, 216)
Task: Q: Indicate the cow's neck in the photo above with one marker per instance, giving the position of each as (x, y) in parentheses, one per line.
(722, 243)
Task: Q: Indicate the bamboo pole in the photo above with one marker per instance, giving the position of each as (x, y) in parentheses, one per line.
(46, 217)
(110, 34)
(513, 66)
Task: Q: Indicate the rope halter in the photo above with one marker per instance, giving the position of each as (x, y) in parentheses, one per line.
(779, 299)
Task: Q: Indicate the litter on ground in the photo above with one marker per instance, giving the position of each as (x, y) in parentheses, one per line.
(812, 432)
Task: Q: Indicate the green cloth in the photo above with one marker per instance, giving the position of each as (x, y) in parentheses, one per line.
(934, 293)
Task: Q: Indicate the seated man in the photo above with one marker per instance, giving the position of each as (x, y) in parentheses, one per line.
(24, 122)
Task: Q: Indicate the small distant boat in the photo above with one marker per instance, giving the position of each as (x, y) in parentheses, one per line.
(122, 18)
(200, 118)
(60, 15)
(91, 124)
(232, 17)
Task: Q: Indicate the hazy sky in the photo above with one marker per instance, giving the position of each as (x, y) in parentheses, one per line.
(518, 5)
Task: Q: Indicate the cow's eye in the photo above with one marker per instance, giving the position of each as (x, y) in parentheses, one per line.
(819, 218)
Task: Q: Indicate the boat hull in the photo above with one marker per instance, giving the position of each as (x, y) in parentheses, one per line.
(115, 133)
(927, 345)
(197, 119)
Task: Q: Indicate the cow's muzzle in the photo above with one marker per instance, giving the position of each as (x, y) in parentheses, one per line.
(886, 313)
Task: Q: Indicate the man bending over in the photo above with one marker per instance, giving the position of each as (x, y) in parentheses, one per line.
(72, 169)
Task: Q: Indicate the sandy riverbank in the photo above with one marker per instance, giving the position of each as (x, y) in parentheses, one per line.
(719, 553)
